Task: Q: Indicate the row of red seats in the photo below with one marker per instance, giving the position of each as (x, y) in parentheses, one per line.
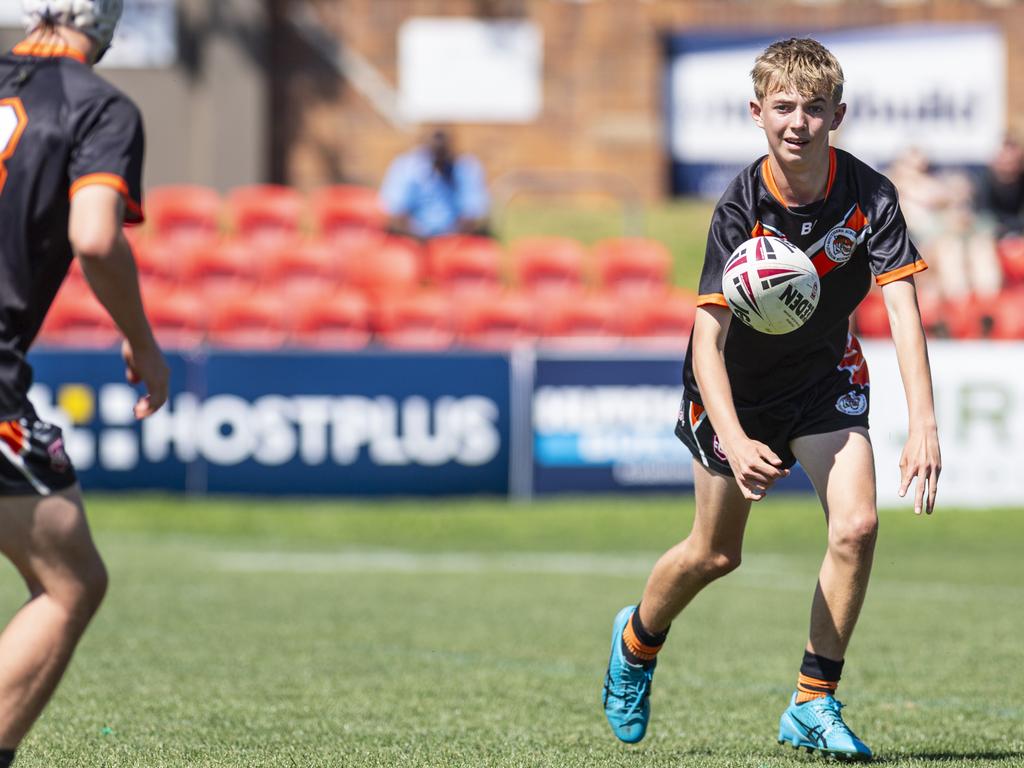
(385, 264)
(348, 319)
(261, 211)
(969, 318)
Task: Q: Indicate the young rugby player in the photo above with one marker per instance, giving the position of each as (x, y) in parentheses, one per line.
(755, 404)
(70, 173)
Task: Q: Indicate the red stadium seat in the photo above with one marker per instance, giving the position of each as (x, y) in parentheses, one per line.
(178, 316)
(230, 265)
(384, 266)
(871, 320)
(184, 213)
(629, 265)
(1011, 257)
(968, 318)
(343, 208)
(660, 320)
(421, 320)
(340, 320)
(247, 320)
(266, 212)
(303, 268)
(77, 319)
(465, 263)
(588, 319)
(547, 265)
(1007, 315)
(496, 322)
(160, 260)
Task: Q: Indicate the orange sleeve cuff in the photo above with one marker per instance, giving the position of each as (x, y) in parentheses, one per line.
(897, 274)
(133, 211)
(712, 298)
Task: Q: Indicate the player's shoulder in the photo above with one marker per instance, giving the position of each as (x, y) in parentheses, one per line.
(87, 86)
(740, 197)
(874, 186)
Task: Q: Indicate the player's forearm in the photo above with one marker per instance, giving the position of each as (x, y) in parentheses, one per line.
(716, 392)
(115, 281)
(912, 355)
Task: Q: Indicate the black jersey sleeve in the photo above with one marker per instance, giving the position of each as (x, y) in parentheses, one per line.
(891, 253)
(108, 149)
(729, 230)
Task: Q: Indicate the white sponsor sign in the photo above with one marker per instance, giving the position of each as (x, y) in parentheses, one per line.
(465, 70)
(979, 396)
(938, 87)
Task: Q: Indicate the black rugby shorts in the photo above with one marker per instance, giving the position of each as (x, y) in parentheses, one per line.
(32, 458)
(839, 401)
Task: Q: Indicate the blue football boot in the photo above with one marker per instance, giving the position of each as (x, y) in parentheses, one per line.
(627, 687)
(817, 725)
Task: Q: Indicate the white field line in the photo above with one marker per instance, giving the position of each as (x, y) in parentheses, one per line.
(771, 572)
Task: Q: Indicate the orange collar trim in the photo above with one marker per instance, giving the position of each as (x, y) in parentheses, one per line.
(773, 188)
(45, 50)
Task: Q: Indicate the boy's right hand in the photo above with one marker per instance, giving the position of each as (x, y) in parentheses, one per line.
(145, 364)
(755, 466)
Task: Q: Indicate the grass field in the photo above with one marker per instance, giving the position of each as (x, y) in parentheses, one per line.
(286, 633)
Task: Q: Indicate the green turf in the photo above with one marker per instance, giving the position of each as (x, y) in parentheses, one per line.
(435, 633)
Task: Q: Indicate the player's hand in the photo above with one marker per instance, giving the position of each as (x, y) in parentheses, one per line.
(145, 365)
(921, 460)
(755, 466)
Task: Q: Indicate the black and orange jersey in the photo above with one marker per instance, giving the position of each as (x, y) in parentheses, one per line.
(855, 233)
(62, 128)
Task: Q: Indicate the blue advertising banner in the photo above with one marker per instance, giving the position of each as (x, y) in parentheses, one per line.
(288, 423)
(607, 424)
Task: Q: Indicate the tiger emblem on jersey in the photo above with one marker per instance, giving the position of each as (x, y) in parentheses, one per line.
(839, 244)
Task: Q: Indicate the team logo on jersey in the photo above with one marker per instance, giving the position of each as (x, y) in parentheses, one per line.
(852, 404)
(839, 244)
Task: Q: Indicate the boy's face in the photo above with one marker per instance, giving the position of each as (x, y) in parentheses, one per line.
(797, 126)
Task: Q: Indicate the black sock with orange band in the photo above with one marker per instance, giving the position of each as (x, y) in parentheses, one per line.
(639, 646)
(819, 677)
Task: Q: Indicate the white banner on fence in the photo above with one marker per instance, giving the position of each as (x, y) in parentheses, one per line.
(979, 396)
(941, 88)
(468, 70)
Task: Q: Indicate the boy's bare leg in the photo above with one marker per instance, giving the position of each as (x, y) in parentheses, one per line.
(841, 466)
(711, 550)
(48, 540)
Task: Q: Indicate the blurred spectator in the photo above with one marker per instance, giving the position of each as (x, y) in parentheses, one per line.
(957, 242)
(1001, 189)
(431, 191)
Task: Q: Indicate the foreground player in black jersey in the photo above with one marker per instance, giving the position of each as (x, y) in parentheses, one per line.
(755, 404)
(70, 173)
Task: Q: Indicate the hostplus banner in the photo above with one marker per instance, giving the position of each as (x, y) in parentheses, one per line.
(361, 424)
(938, 87)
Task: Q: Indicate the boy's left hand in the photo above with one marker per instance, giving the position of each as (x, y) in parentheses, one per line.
(921, 459)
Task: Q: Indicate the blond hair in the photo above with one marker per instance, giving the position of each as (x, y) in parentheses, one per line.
(799, 64)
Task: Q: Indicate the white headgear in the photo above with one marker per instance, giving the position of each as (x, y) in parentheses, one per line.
(96, 18)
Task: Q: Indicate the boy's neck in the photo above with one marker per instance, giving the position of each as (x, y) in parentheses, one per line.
(801, 184)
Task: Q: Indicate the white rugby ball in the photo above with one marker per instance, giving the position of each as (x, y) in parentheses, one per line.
(771, 285)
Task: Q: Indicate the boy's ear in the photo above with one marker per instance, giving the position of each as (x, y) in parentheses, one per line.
(837, 118)
(755, 112)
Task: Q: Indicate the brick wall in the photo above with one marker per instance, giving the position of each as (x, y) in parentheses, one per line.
(602, 80)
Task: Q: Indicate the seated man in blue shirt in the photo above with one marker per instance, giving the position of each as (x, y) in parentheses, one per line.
(429, 191)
